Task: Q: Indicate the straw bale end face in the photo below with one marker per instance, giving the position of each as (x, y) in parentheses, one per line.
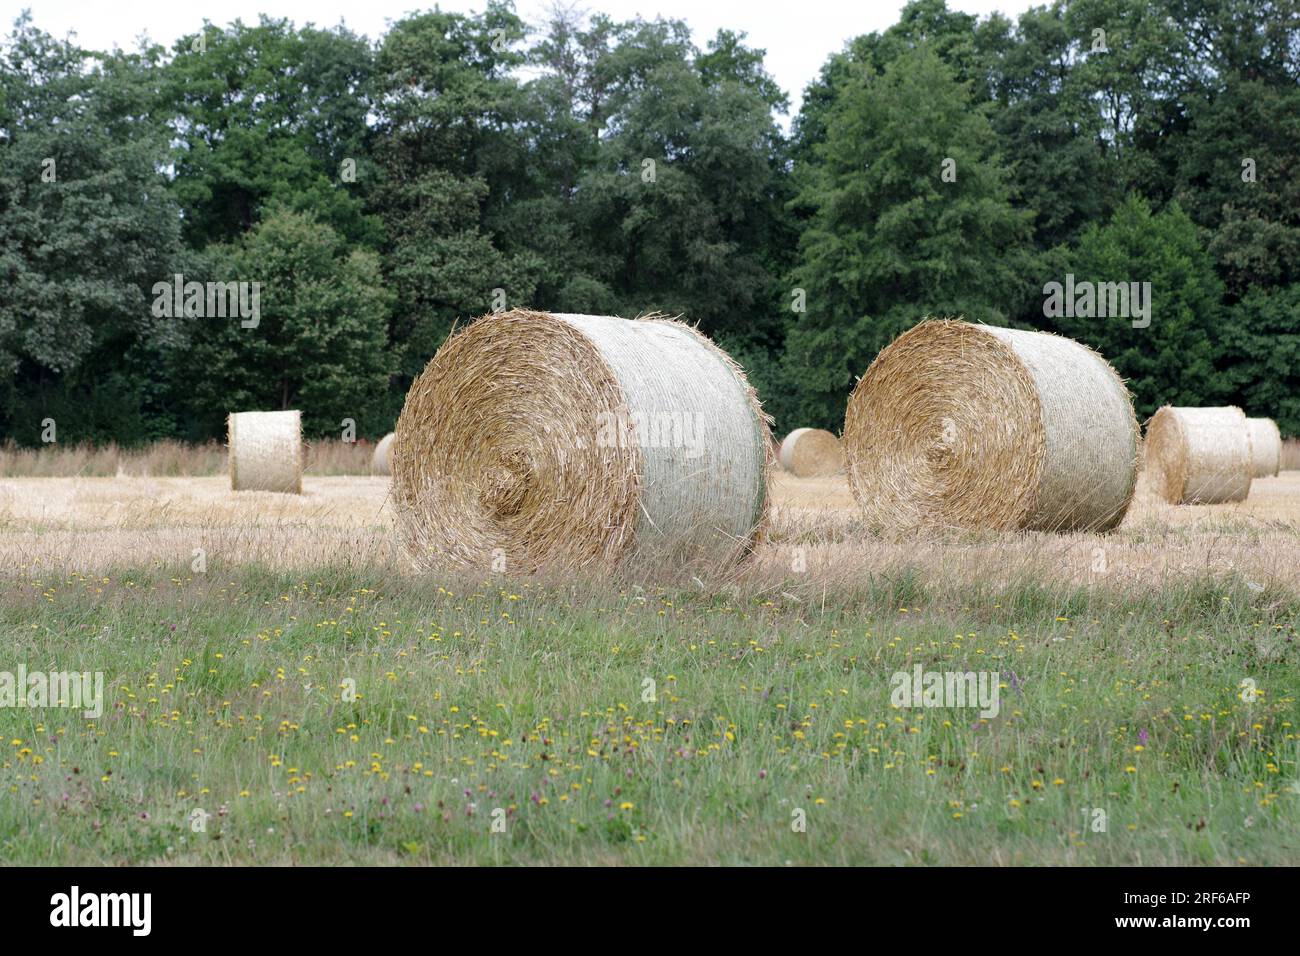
(811, 452)
(970, 426)
(265, 451)
(537, 441)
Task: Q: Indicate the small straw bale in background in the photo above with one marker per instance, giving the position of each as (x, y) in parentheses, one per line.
(810, 452)
(541, 441)
(970, 426)
(1265, 447)
(265, 451)
(379, 461)
(1200, 455)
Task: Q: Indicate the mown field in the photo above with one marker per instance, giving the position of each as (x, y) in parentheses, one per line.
(614, 721)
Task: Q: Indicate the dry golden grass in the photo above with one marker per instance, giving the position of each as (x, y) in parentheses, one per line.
(1291, 454)
(817, 539)
(166, 458)
(89, 524)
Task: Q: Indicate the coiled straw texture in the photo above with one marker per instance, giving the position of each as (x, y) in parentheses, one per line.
(538, 441)
(969, 426)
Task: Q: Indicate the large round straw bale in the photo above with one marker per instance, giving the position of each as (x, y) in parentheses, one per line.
(962, 425)
(1200, 455)
(265, 451)
(1265, 447)
(537, 440)
(379, 459)
(809, 452)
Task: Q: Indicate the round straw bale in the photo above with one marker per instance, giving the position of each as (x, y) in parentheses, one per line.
(1200, 455)
(265, 451)
(808, 452)
(970, 426)
(379, 460)
(1265, 447)
(537, 440)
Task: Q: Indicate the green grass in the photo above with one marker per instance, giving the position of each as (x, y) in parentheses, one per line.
(227, 693)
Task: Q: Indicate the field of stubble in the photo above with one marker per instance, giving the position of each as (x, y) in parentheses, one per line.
(281, 687)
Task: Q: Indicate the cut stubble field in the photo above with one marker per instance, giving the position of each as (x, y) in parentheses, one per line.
(274, 669)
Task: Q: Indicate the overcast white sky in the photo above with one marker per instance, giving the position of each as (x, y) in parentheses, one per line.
(798, 36)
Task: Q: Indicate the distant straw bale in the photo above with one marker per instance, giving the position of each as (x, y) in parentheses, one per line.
(1200, 455)
(811, 452)
(265, 451)
(379, 461)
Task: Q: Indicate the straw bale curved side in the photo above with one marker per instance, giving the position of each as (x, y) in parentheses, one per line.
(265, 451)
(970, 426)
(811, 452)
(538, 440)
(1265, 447)
(379, 459)
(1200, 455)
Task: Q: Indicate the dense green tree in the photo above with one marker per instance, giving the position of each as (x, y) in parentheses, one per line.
(1252, 39)
(271, 113)
(1262, 337)
(559, 113)
(910, 216)
(1239, 179)
(317, 342)
(461, 163)
(1171, 360)
(1050, 132)
(1127, 65)
(729, 60)
(972, 49)
(447, 148)
(86, 227)
(683, 211)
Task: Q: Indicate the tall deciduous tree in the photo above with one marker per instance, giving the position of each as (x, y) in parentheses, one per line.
(1262, 336)
(319, 340)
(271, 114)
(1051, 131)
(86, 227)
(911, 216)
(684, 209)
(1172, 360)
(1239, 179)
(447, 145)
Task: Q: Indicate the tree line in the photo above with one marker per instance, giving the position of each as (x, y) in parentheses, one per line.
(374, 193)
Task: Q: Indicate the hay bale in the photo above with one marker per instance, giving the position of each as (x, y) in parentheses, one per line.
(1200, 455)
(379, 459)
(969, 426)
(265, 451)
(1265, 447)
(537, 440)
(811, 452)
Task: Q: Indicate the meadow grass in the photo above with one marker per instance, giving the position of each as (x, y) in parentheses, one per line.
(607, 723)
